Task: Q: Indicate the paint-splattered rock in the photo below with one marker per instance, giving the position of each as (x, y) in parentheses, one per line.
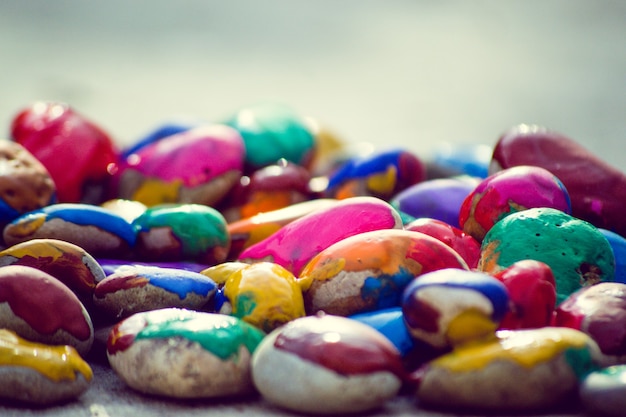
(134, 289)
(296, 243)
(618, 244)
(391, 324)
(346, 366)
(184, 354)
(509, 191)
(95, 229)
(451, 307)
(198, 166)
(597, 189)
(464, 244)
(369, 271)
(177, 232)
(40, 308)
(76, 152)
(247, 232)
(25, 183)
(532, 295)
(128, 209)
(68, 263)
(382, 174)
(36, 373)
(603, 392)
(517, 370)
(274, 187)
(263, 294)
(439, 199)
(600, 312)
(272, 131)
(576, 251)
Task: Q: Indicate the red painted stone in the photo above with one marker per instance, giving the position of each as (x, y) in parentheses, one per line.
(597, 189)
(75, 151)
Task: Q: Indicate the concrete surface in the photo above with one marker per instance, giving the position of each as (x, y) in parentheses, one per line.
(393, 73)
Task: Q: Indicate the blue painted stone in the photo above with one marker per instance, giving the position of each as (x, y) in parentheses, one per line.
(618, 244)
(389, 322)
(463, 159)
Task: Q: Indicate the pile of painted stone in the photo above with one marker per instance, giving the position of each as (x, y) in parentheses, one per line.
(261, 254)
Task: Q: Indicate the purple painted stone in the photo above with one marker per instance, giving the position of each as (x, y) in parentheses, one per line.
(439, 199)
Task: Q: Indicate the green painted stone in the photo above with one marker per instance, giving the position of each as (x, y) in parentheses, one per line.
(577, 251)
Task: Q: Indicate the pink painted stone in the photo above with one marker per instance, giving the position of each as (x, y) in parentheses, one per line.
(296, 243)
(508, 191)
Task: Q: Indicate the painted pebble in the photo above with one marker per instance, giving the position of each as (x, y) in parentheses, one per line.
(40, 308)
(25, 184)
(128, 209)
(439, 199)
(76, 152)
(196, 166)
(369, 271)
(41, 374)
(263, 294)
(519, 370)
(382, 174)
(327, 365)
(272, 131)
(159, 132)
(98, 231)
(247, 232)
(597, 189)
(600, 312)
(177, 232)
(184, 354)
(618, 244)
(134, 289)
(464, 244)
(296, 243)
(276, 186)
(390, 323)
(450, 307)
(68, 263)
(576, 251)
(532, 294)
(509, 191)
(603, 392)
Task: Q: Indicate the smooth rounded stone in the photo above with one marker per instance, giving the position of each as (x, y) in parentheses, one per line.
(369, 271)
(40, 308)
(68, 263)
(618, 244)
(296, 243)
(450, 159)
(509, 191)
(272, 131)
(464, 244)
(133, 289)
(576, 251)
(327, 365)
(98, 231)
(110, 266)
(25, 184)
(532, 295)
(439, 199)
(382, 174)
(600, 312)
(390, 323)
(40, 374)
(76, 152)
(597, 189)
(249, 231)
(603, 392)
(184, 354)
(196, 166)
(274, 187)
(518, 370)
(264, 294)
(182, 232)
(159, 132)
(450, 307)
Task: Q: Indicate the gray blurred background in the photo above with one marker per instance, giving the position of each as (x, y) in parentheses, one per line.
(405, 73)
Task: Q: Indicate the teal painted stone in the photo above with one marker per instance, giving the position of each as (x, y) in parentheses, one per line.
(577, 251)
